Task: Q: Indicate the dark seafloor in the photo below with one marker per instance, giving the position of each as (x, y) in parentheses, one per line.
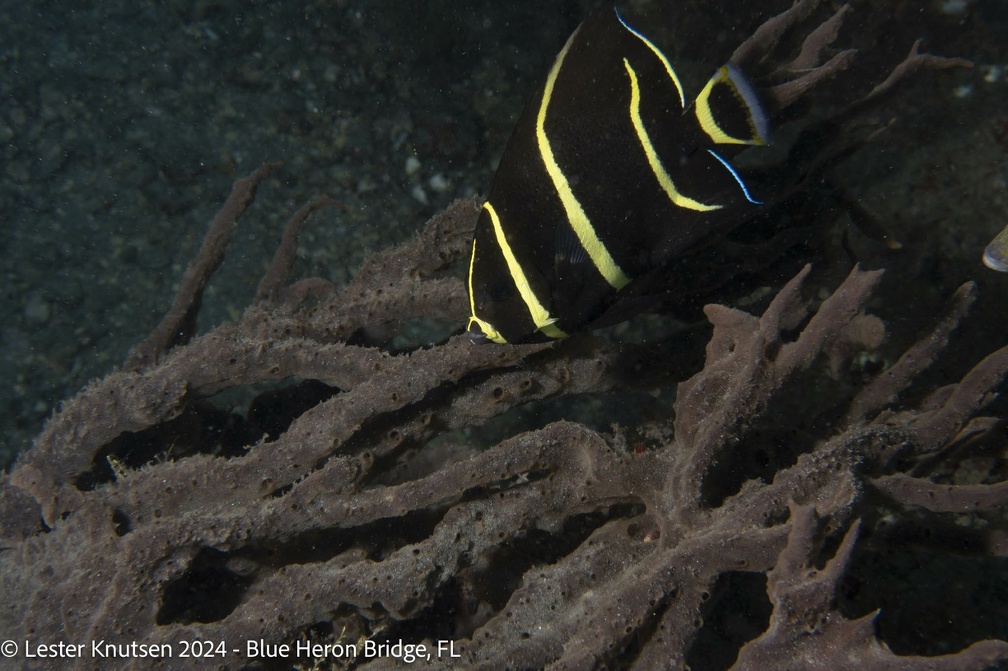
(123, 125)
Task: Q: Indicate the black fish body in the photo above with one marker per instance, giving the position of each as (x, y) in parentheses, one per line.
(609, 175)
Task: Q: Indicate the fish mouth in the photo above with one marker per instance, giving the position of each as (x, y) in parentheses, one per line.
(476, 335)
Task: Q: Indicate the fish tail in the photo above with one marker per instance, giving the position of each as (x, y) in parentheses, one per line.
(729, 109)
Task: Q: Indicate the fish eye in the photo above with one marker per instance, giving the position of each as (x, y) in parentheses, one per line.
(501, 292)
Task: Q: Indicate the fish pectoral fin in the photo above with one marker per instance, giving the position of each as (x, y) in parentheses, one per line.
(568, 250)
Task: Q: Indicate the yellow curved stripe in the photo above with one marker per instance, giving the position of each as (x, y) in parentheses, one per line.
(486, 327)
(664, 179)
(540, 315)
(657, 52)
(599, 255)
(705, 115)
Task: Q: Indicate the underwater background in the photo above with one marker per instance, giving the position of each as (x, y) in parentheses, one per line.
(123, 125)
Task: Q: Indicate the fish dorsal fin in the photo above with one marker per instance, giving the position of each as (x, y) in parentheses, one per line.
(673, 77)
(729, 111)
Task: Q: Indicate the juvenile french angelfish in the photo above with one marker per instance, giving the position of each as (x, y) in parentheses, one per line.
(608, 175)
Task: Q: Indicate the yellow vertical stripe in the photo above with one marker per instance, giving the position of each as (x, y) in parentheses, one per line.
(540, 315)
(664, 179)
(599, 255)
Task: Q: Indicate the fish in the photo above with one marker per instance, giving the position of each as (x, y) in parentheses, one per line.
(995, 256)
(610, 173)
